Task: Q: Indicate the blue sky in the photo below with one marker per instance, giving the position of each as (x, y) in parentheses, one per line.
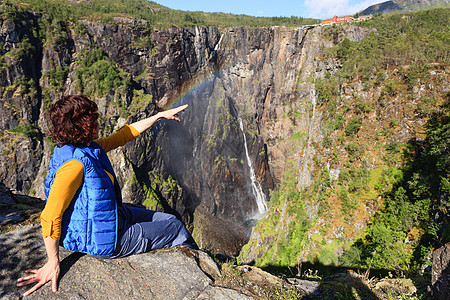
(268, 8)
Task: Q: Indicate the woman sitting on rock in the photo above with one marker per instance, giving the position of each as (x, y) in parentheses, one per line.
(84, 210)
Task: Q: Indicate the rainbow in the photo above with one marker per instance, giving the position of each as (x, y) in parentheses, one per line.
(197, 84)
(188, 90)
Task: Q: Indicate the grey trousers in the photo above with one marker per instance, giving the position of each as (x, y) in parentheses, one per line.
(142, 230)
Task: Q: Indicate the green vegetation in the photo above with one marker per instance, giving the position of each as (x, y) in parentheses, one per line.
(414, 38)
(284, 294)
(23, 50)
(57, 76)
(26, 129)
(154, 14)
(383, 177)
(160, 193)
(97, 74)
(407, 207)
(285, 249)
(354, 125)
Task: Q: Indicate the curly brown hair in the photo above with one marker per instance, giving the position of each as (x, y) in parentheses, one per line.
(73, 120)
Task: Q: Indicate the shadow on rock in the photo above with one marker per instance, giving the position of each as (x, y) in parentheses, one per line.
(20, 250)
(176, 273)
(68, 262)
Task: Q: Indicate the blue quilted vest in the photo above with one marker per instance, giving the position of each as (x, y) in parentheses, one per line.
(90, 223)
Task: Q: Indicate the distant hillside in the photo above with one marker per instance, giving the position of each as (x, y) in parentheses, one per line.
(384, 7)
(154, 14)
(403, 6)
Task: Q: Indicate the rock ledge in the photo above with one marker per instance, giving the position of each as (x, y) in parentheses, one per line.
(177, 273)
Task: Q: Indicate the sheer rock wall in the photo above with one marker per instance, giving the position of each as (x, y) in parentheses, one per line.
(198, 168)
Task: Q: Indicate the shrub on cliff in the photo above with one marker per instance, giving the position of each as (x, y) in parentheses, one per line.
(27, 129)
(409, 205)
(97, 74)
(353, 126)
(418, 37)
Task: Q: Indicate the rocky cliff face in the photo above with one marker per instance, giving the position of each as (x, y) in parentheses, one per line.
(19, 101)
(441, 272)
(233, 141)
(253, 115)
(318, 221)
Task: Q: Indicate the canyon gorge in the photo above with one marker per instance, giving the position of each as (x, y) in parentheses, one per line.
(256, 116)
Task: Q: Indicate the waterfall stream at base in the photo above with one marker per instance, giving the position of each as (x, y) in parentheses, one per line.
(256, 186)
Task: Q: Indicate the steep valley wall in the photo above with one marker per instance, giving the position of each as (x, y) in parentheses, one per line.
(197, 168)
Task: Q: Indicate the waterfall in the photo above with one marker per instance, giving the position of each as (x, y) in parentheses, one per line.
(256, 186)
(217, 47)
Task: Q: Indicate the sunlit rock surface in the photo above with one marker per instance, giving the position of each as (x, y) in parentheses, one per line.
(178, 273)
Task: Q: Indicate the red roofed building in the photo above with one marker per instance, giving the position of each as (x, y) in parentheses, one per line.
(337, 20)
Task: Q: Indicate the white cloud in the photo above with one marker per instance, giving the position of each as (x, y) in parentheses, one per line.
(329, 8)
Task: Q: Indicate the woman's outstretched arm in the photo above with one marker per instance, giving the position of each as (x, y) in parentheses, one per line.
(130, 132)
(50, 271)
(171, 114)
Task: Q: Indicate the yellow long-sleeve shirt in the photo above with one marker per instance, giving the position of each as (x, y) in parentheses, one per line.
(68, 180)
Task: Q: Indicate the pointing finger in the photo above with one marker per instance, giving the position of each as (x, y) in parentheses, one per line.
(181, 108)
